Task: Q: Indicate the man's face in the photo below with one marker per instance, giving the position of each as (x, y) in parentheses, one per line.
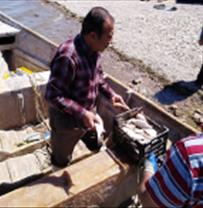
(102, 42)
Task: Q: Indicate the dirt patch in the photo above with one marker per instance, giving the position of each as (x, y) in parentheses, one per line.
(182, 99)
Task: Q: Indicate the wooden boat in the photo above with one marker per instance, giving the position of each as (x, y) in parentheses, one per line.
(106, 178)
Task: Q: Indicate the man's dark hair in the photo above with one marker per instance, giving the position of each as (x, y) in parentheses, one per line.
(93, 22)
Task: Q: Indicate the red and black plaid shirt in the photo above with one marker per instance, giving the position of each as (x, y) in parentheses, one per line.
(76, 78)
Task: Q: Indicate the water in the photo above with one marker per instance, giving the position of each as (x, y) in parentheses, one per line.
(42, 17)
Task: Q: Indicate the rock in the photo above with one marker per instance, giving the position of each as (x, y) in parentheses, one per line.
(130, 85)
(136, 81)
(173, 107)
(198, 111)
(198, 118)
(174, 110)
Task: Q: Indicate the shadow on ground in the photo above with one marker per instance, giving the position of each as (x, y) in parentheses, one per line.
(176, 91)
(189, 1)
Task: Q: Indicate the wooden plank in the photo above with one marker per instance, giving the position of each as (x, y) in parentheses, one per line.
(35, 46)
(12, 139)
(7, 47)
(22, 58)
(4, 174)
(18, 171)
(96, 180)
(20, 167)
(30, 41)
(21, 170)
(18, 101)
(7, 30)
(17, 142)
(79, 153)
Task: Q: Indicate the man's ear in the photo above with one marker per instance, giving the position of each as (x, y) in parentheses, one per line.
(93, 36)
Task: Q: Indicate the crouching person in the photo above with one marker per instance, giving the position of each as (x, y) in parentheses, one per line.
(179, 181)
(199, 79)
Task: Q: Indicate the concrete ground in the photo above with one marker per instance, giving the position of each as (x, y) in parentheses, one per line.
(165, 40)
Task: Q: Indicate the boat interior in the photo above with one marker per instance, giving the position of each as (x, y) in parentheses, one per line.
(26, 174)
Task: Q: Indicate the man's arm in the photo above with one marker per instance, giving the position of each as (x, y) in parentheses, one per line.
(62, 73)
(170, 186)
(144, 195)
(150, 167)
(108, 92)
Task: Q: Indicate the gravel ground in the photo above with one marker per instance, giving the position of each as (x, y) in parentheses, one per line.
(164, 40)
(161, 49)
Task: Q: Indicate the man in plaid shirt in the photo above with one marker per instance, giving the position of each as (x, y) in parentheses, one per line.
(75, 82)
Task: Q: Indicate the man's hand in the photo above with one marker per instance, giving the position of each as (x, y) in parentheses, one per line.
(89, 119)
(150, 164)
(119, 103)
(150, 167)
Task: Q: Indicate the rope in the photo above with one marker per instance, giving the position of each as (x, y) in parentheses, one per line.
(21, 104)
(40, 108)
(39, 102)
